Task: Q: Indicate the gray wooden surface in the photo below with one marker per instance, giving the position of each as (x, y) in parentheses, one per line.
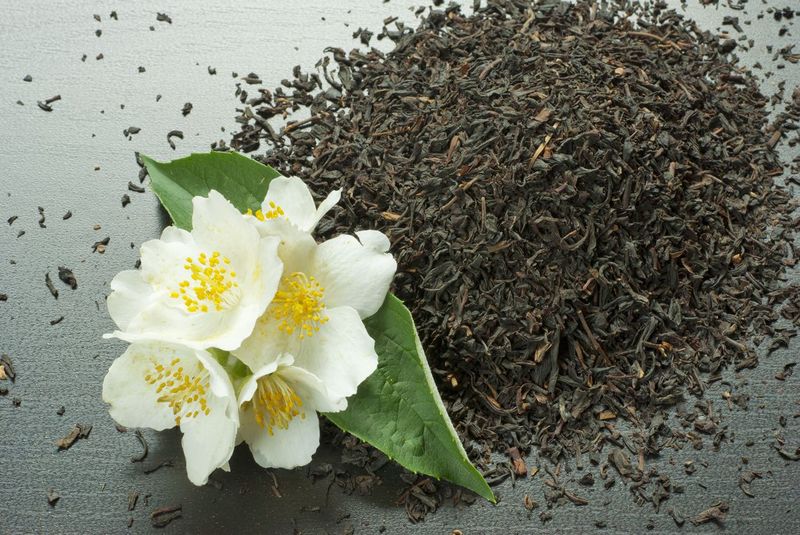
(76, 158)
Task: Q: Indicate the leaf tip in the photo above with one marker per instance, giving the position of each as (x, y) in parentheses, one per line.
(483, 490)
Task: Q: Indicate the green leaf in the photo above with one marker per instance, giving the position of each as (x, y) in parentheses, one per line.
(398, 409)
(240, 179)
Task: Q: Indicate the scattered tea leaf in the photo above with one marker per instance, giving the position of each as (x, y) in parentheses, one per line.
(716, 513)
(49, 283)
(77, 432)
(67, 277)
(162, 516)
(52, 497)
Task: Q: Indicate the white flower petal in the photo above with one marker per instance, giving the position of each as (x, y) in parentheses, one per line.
(312, 390)
(295, 251)
(293, 197)
(295, 246)
(279, 226)
(341, 354)
(209, 440)
(134, 401)
(375, 240)
(130, 295)
(265, 343)
(249, 386)
(353, 274)
(285, 448)
(325, 206)
(162, 262)
(174, 234)
(218, 226)
(220, 383)
(224, 330)
(265, 278)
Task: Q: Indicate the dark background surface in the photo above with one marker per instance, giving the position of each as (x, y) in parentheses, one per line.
(77, 159)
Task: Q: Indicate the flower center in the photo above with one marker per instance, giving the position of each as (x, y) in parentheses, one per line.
(275, 403)
(210, 283)
(184, 392)
(273, 212)
(298, 304)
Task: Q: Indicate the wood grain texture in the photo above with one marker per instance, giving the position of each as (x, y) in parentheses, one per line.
(49, 160)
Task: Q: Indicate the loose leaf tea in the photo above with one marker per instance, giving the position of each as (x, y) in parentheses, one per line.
(578, 203)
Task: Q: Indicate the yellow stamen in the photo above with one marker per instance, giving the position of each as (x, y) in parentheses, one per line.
(185, 393)
(298, 304)
(209, 283)
(273, 212)
(275, 403)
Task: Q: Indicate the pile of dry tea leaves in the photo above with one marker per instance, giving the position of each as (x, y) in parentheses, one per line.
(581, 203)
